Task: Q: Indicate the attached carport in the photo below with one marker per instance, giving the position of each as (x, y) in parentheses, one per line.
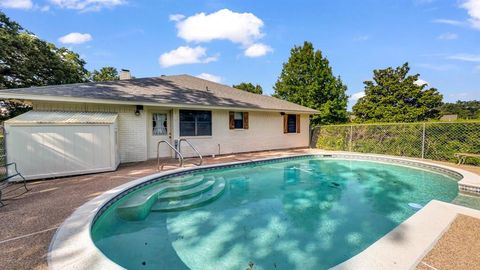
(53, 144)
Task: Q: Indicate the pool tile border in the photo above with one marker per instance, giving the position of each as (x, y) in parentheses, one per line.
(75, 233)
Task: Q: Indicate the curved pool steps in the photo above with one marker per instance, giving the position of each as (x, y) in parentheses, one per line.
(137, 207)
(187, 193)
(172, 195)
(207, 196)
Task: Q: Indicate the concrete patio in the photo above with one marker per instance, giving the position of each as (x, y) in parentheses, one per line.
(29, 221)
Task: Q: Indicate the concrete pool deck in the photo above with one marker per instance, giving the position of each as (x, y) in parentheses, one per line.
(450, 253)
(29, 222)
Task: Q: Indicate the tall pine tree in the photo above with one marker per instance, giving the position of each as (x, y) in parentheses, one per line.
(307, 79)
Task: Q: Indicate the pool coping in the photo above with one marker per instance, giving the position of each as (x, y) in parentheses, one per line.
(73, 248)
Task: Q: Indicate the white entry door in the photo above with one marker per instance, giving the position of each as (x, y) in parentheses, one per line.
(159, 129)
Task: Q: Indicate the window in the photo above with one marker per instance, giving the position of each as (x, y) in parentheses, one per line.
(195, 123)
(291, 123)
(238, 120)
(159, 124)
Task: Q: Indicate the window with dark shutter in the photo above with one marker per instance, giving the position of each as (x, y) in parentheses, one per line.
(238, 120)
(291, 123)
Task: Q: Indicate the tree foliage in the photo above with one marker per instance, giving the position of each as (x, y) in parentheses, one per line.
(464, 109)
(395, 96)
(104, 74)
(26, 60)
(12, 108)
(307, 79)
(249, 87)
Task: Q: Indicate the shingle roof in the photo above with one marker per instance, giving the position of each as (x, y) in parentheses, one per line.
(37, 117)
(177, 89)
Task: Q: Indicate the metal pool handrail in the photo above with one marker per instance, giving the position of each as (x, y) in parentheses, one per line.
(193, 147)
(180, 156)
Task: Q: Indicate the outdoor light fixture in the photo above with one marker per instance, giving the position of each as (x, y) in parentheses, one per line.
(138, 109)
(282, 113)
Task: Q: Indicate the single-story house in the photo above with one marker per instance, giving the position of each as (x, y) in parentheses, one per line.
(92, 127)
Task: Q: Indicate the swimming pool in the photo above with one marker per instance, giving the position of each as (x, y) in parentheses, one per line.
(307, 212)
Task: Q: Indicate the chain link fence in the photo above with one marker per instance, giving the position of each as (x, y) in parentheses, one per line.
(3, 153)
(437, 141)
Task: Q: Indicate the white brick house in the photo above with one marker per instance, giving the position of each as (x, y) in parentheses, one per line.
(216, 118)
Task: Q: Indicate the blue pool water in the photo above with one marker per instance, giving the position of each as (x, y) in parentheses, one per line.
(307, 213)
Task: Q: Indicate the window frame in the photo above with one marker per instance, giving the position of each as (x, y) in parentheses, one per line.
(232, 122)
(287, 124)
(154, 123)
(238, 123)
(196, 121)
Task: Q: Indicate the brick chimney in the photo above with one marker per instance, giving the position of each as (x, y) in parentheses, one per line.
(125, 74)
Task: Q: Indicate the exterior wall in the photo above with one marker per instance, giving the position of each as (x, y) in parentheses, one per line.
(265, 131)
(132, 131)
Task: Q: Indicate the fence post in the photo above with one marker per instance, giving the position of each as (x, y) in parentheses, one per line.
(423, 141)
(351, 138)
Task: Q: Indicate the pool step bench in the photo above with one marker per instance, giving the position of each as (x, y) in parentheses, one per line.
(174, 194)
(192, 200)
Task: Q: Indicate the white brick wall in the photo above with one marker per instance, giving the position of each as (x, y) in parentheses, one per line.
(265, 131)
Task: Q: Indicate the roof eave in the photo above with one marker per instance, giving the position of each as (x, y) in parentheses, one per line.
(119, 102)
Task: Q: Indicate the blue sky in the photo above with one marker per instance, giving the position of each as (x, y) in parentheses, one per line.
(248, 40)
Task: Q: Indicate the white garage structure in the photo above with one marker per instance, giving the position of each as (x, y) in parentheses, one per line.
(53, 144)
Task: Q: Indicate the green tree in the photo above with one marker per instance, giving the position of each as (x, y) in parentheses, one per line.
(395, 96)
(464, 109)
(307, 79)
(26, 60)
(105, 74)
(249, 87)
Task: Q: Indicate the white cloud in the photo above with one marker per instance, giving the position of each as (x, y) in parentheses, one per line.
(459, 95)
(243, 28)
(18, 4)
(240, 28)
(87, 5)
(437, 67)
(473, 9)
(44, 8)
(421, 82)
(447, 36)
(361, 38)
(75, 38)
(257, 50)
(356, 96)
(465, 57)
(449, 22)
(176, 17)
(185, 55)
(210, 77)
